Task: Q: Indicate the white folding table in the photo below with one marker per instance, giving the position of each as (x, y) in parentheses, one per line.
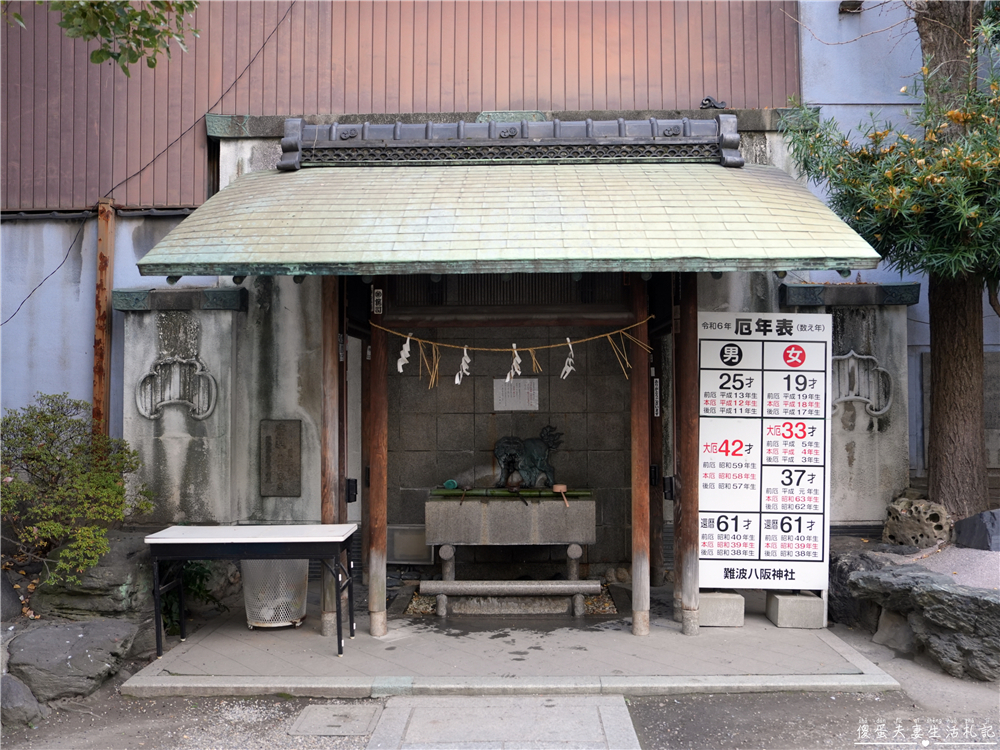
(267, 542)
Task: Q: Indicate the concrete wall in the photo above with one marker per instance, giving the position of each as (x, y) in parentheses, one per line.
(853, 66)
(869, 454)
(266, 363)
(279, 359)
(185, 456)
(48, 345)
(449, 432)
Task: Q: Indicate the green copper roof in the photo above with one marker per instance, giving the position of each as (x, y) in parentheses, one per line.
(510, 218)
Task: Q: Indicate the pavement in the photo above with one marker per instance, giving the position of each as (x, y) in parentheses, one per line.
(495, 683)
(431, 656)
(967, 567)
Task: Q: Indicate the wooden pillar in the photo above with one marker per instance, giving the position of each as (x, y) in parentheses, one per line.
(656, 454)
(101, 406)
(330, 474)
(686, 513)
(378, 453)
(639, 379)
(364, 489)
(342, 425)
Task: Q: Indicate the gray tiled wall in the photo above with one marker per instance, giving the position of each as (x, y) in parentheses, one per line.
(448, 432)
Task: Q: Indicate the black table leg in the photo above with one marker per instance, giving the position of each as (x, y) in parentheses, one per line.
(340, 635)
(180, 595)
(157, 613)
(350, 594)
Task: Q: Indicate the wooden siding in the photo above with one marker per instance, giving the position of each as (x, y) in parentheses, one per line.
(73, 132)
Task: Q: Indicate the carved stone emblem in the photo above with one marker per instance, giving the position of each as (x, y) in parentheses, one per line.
(178, 376)
(858, 377)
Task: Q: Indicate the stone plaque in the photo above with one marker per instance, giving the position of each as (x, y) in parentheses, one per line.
(280, 458)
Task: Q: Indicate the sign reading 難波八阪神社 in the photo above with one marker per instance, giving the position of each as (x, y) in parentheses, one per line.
(764, 450)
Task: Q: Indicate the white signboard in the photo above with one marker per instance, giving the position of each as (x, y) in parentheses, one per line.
(764, 515)
(520, 394)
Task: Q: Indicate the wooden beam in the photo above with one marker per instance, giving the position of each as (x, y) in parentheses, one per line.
(523, 316)
(378, 453)
(330, 474)
(639, 379)
(686, 507)
(101, 406)
(342, 412)
(656, 457)
(364, 490)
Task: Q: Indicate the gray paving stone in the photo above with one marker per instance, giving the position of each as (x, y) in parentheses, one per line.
(336, 721)
(484, 723)
(383, 686)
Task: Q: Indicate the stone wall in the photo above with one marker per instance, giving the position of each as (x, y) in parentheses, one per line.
(449, 432)
(262, 363)
(185, 451)
(869, 455)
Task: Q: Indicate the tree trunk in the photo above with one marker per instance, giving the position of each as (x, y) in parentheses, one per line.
(945, 26)
(957, 425)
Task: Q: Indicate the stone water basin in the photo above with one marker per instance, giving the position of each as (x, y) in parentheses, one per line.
(504, 518)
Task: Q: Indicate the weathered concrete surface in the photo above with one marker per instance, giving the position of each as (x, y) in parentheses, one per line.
(185, 453)
(869, 454)
(498, 606)
(803, 610)
(959, 626)
(17, 704)
(503, 521)
(510, 588)
(916, 522)
(69, 659)
(720, 609)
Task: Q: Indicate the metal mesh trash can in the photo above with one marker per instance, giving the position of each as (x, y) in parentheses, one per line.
(274, 592)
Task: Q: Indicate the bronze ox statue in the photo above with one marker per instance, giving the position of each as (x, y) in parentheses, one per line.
(528, 457)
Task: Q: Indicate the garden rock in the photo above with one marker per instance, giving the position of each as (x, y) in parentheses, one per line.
(17, 704)
(981, 531)
(70, 659)
(843, 606)
(959, 626)
(893, 587)
(120, 585)
(959, 654)
(895, 632)
(917, 522)
(10, 602)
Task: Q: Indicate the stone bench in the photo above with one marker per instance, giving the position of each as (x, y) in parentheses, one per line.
(510, 588)
(510, 597)
(574, 587)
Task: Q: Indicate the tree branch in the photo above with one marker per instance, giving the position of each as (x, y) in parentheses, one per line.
(848, 41)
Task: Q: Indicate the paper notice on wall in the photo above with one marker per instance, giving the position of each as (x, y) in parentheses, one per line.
(520, 394)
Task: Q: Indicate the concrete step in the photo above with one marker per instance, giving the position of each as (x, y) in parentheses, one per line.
(509, 588)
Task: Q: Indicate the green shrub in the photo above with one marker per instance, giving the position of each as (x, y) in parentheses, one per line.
(63, 485)
(197, 575)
